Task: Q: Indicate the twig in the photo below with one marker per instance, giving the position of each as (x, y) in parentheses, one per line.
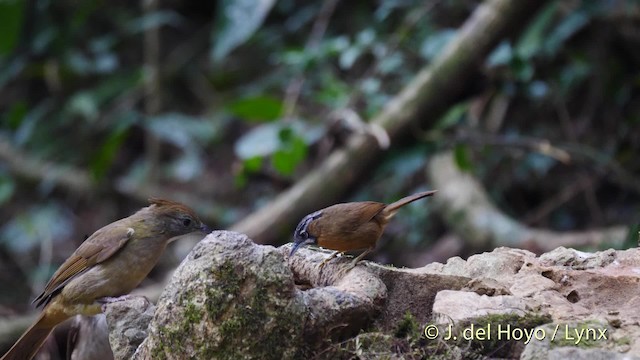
(542, 146)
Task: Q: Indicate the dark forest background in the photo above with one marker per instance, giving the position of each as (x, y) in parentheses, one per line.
(224, 105)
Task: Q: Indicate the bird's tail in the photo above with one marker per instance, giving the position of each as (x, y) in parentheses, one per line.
(392, 208)
(30, 342)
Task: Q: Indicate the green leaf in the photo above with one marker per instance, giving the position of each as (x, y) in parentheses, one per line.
(535, 35)
(253, 164)
(241, 180)
(289, 156)
(238, 21)
(249, 166)
(258, 108)
(452, 117)
(11, 17)
(462, 157)
(334, 91)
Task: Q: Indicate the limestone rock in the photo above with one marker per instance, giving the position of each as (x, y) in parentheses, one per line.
(128, 321)
(88, 338)
(231, 298)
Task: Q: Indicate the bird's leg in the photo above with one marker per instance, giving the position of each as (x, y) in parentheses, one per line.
(325, 261)
(358, 258)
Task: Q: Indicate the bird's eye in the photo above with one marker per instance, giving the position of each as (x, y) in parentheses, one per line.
(304, 235)
(186, 222)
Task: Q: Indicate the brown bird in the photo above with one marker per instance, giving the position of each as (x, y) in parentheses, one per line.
(109, 263)
(349, 226)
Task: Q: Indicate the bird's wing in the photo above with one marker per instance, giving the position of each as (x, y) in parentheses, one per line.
(97, 248)
(369, 209)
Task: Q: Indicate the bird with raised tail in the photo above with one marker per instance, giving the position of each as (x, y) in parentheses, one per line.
(349, 226)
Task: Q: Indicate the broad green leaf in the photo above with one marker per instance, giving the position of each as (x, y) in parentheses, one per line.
(258, 108)
(249, 166)
(238, 21)
(252, 164)
(293, 151)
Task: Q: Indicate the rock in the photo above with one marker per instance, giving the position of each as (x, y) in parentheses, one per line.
(231, 298)
(570, 286)
(587, 340)
(228, 299)
(411, 291)
(456, 306)
(128, 321)
(89, 338)
(585, 354)
(486, 286)
(578, 260)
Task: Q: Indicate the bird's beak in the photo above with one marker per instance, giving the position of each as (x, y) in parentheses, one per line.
(295, 248)
(205, 229)
(299, 244)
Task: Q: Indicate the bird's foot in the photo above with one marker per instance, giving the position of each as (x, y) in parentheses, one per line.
(354, 262)
(325, 261)
(348, 268)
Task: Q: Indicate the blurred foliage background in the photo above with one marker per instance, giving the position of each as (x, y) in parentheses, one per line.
(223, 105)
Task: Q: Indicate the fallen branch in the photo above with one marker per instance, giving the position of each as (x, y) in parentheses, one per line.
(466, 207)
